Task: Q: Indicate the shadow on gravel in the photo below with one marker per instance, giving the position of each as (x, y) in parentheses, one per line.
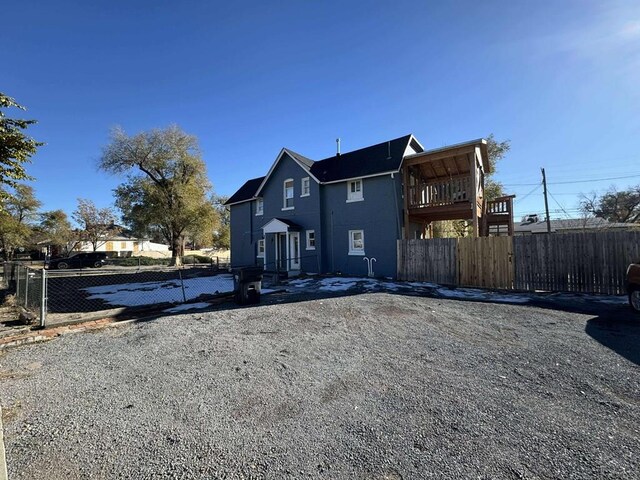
(618, 331)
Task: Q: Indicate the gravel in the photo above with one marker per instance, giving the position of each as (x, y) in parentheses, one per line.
(375, 385)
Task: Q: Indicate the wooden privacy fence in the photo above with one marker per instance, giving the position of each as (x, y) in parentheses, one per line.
(589, 262)
(433, 260)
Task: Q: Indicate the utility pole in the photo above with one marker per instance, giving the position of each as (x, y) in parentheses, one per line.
(546, 200)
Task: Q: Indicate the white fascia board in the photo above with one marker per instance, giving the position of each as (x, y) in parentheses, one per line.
(358, 178)
(479, 141)
(241, 201)
(273, 167)
(414, 139)
(275, 226)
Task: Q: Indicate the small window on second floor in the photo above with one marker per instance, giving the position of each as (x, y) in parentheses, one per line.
(305, 189)
(354, 190)
(259, 206)
(288, 194)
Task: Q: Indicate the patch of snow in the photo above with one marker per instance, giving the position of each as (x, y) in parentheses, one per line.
(424, 285)
(187, 306)
(470, 294)
(148, 293)
(302, 282)
(339, 284)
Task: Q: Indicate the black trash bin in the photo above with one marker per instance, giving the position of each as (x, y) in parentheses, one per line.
(247, 283)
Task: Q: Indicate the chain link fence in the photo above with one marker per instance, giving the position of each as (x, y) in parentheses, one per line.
(30, 287)
(65, 296)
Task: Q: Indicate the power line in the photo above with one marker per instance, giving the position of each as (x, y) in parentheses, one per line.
(569, 182)
(531, 192)
(558, 203)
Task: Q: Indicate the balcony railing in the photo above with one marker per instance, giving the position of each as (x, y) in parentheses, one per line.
(437, 193)
(500, 206)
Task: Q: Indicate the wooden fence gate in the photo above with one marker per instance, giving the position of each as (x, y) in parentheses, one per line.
(485, 262)
(472, 262)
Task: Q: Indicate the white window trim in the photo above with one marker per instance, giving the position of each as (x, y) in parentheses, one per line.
(314, 239)
(355, 197)
(261, 211)
(261, 240)
(302, 187)
(284, 193)
(351, 250)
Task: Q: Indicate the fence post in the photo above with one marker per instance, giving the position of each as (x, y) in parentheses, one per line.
(26, 288)
(184, 296)
(43, 299)
(18, 284)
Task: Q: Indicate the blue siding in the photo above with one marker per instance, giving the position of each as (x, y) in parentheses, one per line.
(306, 211)
(326, 212)
(245, 232)
(378, 215)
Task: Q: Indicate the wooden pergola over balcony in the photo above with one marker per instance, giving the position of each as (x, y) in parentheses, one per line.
(448, 184)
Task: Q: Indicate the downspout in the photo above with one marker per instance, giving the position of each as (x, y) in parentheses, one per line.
(253, 250)
(333, 269)
(395, 198)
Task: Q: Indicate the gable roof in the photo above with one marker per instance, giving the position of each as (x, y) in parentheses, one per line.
(245, 192)
(377, 159)
(276, 225)
(374, 160)
(304, 163)
(307, 162)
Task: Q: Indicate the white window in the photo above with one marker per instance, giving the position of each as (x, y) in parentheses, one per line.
(259, 206)
(356, 242)
(354, 191)
(288, 194)
(305, 187)
(311, 240)
(261, 248)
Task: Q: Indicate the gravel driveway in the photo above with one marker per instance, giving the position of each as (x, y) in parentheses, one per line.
(376, 385)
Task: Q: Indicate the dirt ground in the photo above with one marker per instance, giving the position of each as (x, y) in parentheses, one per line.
(370, 385)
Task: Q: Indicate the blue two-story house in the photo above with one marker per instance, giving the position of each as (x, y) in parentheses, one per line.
(327, 216)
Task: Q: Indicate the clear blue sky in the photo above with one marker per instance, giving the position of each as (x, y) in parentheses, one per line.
(560, 79)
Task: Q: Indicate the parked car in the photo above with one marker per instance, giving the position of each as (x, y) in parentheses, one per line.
(79, 260)
(633, 286)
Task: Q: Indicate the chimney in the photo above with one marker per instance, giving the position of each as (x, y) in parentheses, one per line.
(338, 147)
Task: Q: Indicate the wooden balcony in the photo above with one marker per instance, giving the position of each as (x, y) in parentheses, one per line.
(498, 216)
(448, 184)
(440, 192)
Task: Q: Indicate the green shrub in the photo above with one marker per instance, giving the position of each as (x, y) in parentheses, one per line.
(135, 261)
(187, 259)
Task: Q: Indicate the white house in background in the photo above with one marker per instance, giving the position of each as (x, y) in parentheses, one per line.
(122, 246)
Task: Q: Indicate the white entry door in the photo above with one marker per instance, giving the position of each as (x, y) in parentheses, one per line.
(294, 251)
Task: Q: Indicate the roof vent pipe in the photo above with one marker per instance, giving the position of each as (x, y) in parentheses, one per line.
(337, 147)
(388, 150)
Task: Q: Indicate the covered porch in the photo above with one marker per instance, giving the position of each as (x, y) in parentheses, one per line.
(282, 246)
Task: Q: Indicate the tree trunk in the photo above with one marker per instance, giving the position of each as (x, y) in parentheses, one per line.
(176, 251)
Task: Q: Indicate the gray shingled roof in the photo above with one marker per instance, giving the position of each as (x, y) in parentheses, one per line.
(246, 191)
(569, 224)
(380, 158)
